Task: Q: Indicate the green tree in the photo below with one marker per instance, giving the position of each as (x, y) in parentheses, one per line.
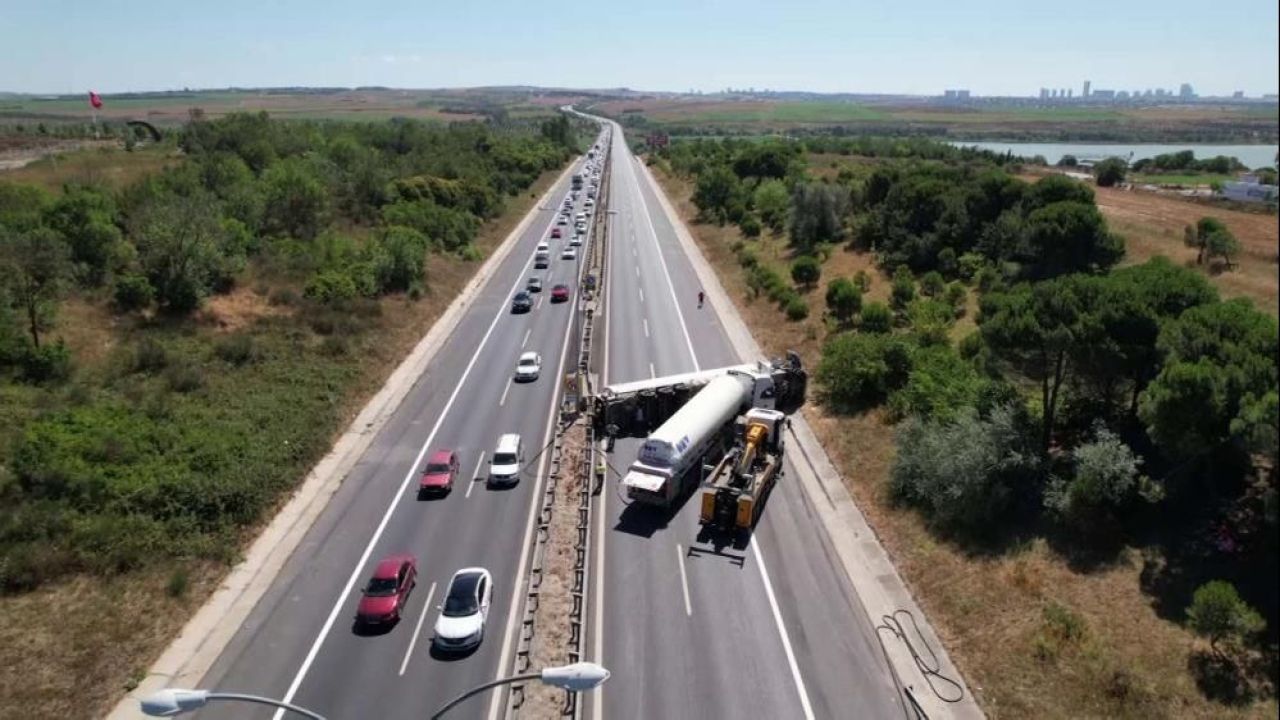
(296, 201)
(931, 320)
(1107, 477)
(818, 211)
(714, 191)
(772, 201)
(1217, 613)
(35, 264)
(965, 472)
(133, 292)
(932, 284)
(939, 385)
(1222, 244)
(1217, 356)
(1052, 189)
(844, 299)
(858, 370)
(1198, 237)
(86, 218)
(1067, 237)
(180, 249)
(806, 271)
(22, 206)
(399, 259)
(1110, 172)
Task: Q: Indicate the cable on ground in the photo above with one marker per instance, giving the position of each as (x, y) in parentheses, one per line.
(931, 667)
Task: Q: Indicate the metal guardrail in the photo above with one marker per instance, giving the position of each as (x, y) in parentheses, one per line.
(594, 255)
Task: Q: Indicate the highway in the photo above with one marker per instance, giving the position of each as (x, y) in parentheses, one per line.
(299, 642)
(772, 631)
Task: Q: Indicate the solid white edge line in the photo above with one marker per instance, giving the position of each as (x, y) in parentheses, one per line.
(417, 630)
(395, 501)
(474, 474)
(504, 659)
(782, 631)
(502, 401)
(684, 580)
(653, 233)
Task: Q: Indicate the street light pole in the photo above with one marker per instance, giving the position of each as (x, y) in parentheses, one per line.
(481, 688)
(577, 677)
(176, 701)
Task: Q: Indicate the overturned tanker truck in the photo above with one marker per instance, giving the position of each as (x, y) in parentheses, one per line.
(692, 421)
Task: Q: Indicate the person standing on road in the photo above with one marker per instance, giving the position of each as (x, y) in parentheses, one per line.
(700, 298)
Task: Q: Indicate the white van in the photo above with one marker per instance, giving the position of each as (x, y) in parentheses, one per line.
(542, 247)
(508, 457)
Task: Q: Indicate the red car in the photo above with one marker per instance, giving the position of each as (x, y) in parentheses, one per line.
(560, 293)
(438, 475)
(388, 590)
(555, 232)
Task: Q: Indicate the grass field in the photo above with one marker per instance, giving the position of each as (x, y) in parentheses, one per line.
(369, 105)
(991, 610)
(109, 165)
(1170, 179)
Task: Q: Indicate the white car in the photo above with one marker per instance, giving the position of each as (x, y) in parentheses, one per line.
(576, 241)
(528, 366)
(570, 253)
(465, 609)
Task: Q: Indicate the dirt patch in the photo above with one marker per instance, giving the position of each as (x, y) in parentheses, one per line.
(990, 611)
(237, 309)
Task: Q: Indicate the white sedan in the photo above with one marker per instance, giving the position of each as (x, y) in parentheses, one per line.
(465, 609)
(569, 253)
(528, 366)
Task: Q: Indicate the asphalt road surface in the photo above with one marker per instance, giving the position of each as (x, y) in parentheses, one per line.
(772, 630)
(299, 642)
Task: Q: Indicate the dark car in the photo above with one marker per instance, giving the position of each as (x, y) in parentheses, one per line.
(560, 293)
(388, 590)
(439, 474)
(522, 302)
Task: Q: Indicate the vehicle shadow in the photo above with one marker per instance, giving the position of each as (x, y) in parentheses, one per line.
(360, 629)
(451, 655)
(645, 520)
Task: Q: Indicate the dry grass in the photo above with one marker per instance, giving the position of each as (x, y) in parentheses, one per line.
(70, 649)
(108, 165)
(989, 610)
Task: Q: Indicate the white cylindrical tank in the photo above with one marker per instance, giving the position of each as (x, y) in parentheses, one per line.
(683, 437)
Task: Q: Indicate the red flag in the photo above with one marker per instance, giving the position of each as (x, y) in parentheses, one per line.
(94, 100)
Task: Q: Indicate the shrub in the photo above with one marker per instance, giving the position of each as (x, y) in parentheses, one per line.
(862, 280)
(964, 473)
(1217, 613)
(1110, 172)
(939, 384)
(236, 349)
(133, 292)
(904, 288)
(184, 378)
(1106, 478)
(50, 362)
(331, 287)
(844, 299)
(931, 320)
(282, 296)
(178, 583)
(751, 226)
(150, 356)
(947, 262)
(875, 318)
(858, 370)
(797, 309)
(932, 284)
(969, 265)
(806, 271)
(334, 346)
(956, 297)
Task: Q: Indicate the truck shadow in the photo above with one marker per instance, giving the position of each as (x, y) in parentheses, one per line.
(645, 520)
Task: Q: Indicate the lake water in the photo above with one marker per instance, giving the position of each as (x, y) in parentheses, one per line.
(1254, 156)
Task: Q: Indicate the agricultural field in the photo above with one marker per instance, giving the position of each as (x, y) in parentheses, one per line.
(684, 115)
(341, 104)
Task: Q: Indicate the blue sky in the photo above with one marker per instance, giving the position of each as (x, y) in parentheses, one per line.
(992, 47)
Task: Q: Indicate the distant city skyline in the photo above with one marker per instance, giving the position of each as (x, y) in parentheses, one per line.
(1004, 48)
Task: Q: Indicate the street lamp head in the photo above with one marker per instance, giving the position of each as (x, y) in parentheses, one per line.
(576, 677)
(174, 701)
